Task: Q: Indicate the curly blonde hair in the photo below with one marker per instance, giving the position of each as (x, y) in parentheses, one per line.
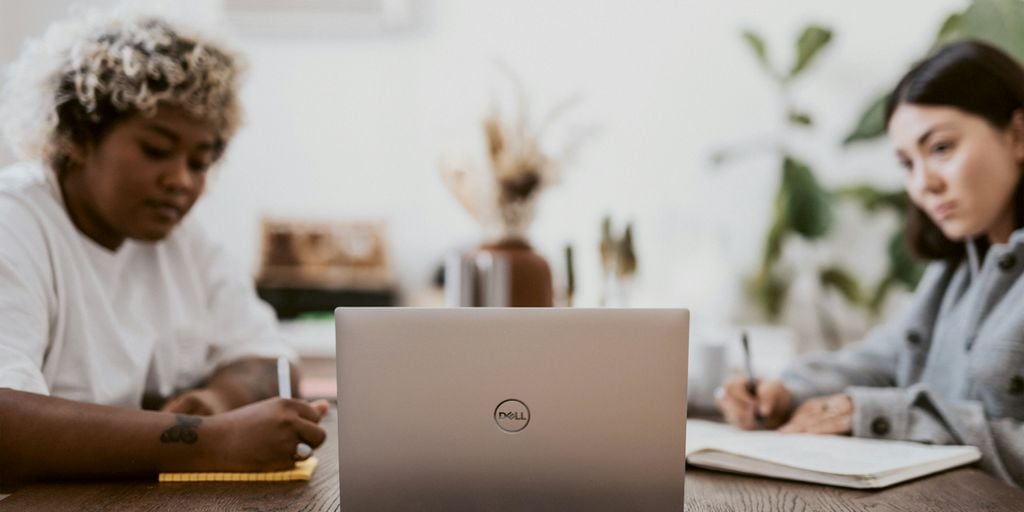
(84, 75)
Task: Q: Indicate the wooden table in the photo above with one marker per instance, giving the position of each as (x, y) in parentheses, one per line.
(965, 489)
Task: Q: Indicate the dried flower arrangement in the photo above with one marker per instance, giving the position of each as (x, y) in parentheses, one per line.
(519, 167)
(618, 258)
(618, 264)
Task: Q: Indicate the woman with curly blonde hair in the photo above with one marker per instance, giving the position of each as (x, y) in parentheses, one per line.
(111, 300)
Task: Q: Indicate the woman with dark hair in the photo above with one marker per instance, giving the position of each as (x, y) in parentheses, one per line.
(112, 301)
(951, 371)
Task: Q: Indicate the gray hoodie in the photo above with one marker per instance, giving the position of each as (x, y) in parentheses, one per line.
(951, 371)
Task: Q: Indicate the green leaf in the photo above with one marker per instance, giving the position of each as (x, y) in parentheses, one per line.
(999, 22)
(871, 124)
(770, 291)
(776, 234)
(903, 270)
(756, 43)
(879, 295)
(951, 30)
(808, 207)
(800, 118)
(766, 288)
(895, 200)
(902, 266)
(842, 281)
(873, 199)
(811, 41)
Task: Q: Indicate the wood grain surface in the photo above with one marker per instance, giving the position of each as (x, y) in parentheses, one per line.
(965, 489)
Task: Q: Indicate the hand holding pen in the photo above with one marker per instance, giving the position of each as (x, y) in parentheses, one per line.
(750, 403)
(751, 382)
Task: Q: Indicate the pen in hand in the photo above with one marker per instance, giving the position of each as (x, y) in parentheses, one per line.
(284, 390)
(284, 378)
(751, 381)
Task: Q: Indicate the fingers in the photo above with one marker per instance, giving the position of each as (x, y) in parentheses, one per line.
(742, 418)
(737, 405)
(306, 424)
(775, 402)
(321, 406)
(736, 390)
(831, 425)
(808, 414)
(308, 411)
(174, 405)
(187, 403)
(770, 397)
(797, 424)
(834, 425)
(310, 433)
(769, 408)
(266, 435)
(828, 415)
(200, 407)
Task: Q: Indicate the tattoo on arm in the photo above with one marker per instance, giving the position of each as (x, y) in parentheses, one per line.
(184, 431)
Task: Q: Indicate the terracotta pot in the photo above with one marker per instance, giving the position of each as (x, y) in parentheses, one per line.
(528, 274)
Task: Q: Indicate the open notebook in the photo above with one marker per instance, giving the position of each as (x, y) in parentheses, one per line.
(832, 460)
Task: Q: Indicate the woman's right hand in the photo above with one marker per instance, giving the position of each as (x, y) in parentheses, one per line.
(263, 436)
(773, 403)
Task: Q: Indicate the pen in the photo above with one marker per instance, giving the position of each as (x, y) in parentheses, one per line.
(284, 390)
(751, 381)
(284, 378)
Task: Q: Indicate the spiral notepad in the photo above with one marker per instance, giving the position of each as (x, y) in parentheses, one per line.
(302, 471)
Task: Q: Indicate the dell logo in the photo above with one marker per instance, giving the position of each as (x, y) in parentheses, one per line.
(512, 415)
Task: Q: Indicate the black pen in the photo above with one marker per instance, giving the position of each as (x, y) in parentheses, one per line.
(751, 381)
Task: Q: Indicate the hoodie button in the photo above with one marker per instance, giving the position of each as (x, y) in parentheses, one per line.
(1007, 261)
(914, 337)
(880, 426)
(1016, 385)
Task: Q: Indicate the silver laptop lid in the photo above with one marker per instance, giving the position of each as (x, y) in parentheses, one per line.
(511, 409)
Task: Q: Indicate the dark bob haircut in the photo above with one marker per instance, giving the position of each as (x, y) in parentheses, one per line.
(976, 78)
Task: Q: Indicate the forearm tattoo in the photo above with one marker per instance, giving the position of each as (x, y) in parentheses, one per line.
(184, 431)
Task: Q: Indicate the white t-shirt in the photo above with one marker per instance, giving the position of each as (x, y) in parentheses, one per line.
(81, 322)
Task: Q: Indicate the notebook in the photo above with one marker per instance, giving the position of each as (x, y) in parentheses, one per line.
(302, 471)
(831, 460)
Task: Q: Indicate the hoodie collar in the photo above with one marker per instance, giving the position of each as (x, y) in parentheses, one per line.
(973, 263)
(974, 259)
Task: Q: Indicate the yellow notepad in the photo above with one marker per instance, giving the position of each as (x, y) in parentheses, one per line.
(302, 471)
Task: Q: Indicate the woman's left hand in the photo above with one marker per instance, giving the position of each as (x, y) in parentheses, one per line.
(198, 402)
(824, 415)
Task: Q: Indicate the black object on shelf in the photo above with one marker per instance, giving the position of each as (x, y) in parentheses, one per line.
(290, 302)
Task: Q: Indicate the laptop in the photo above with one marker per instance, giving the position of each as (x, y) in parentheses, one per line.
(504, 409)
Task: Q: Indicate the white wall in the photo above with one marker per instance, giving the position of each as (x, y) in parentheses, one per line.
(354, 127)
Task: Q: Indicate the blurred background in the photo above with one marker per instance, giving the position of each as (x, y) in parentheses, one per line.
(735, 139)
